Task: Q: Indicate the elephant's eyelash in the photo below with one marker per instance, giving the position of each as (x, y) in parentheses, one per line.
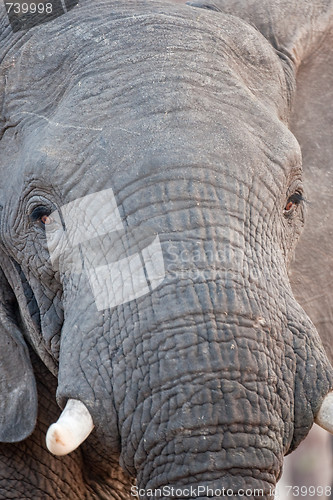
(297, 198)
(293, 202)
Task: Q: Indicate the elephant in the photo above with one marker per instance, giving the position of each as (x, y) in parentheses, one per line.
(165, 237)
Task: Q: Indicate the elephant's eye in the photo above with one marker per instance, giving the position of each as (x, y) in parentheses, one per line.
(42, 215)
(293, 201)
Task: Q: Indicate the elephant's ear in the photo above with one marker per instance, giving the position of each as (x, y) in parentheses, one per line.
(18, 394)
(293, 27)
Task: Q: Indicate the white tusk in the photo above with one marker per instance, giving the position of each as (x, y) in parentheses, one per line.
(72, 428)
(324, 416)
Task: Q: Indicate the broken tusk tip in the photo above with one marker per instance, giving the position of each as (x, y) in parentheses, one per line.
(72, 428)
(324, 417)
(57, 441)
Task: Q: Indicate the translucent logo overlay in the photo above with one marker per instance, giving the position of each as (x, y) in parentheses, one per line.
(88, 236)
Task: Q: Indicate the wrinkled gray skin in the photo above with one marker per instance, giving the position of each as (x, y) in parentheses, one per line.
(185, 113)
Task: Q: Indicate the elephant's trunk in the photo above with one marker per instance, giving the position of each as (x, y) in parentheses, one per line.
(208, 380)
(215, 437)
(75, 424)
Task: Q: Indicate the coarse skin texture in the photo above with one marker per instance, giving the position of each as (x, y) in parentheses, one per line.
(187, 113)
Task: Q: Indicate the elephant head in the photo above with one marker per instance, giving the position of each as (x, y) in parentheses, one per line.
(152, 197)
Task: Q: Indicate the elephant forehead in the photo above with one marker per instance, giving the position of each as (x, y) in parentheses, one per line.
(146, 89)
(223, 147)
(153, 47)
(135, 149)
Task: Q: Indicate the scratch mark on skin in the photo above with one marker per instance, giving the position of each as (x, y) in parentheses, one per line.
(57, 124)
(128, 131)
